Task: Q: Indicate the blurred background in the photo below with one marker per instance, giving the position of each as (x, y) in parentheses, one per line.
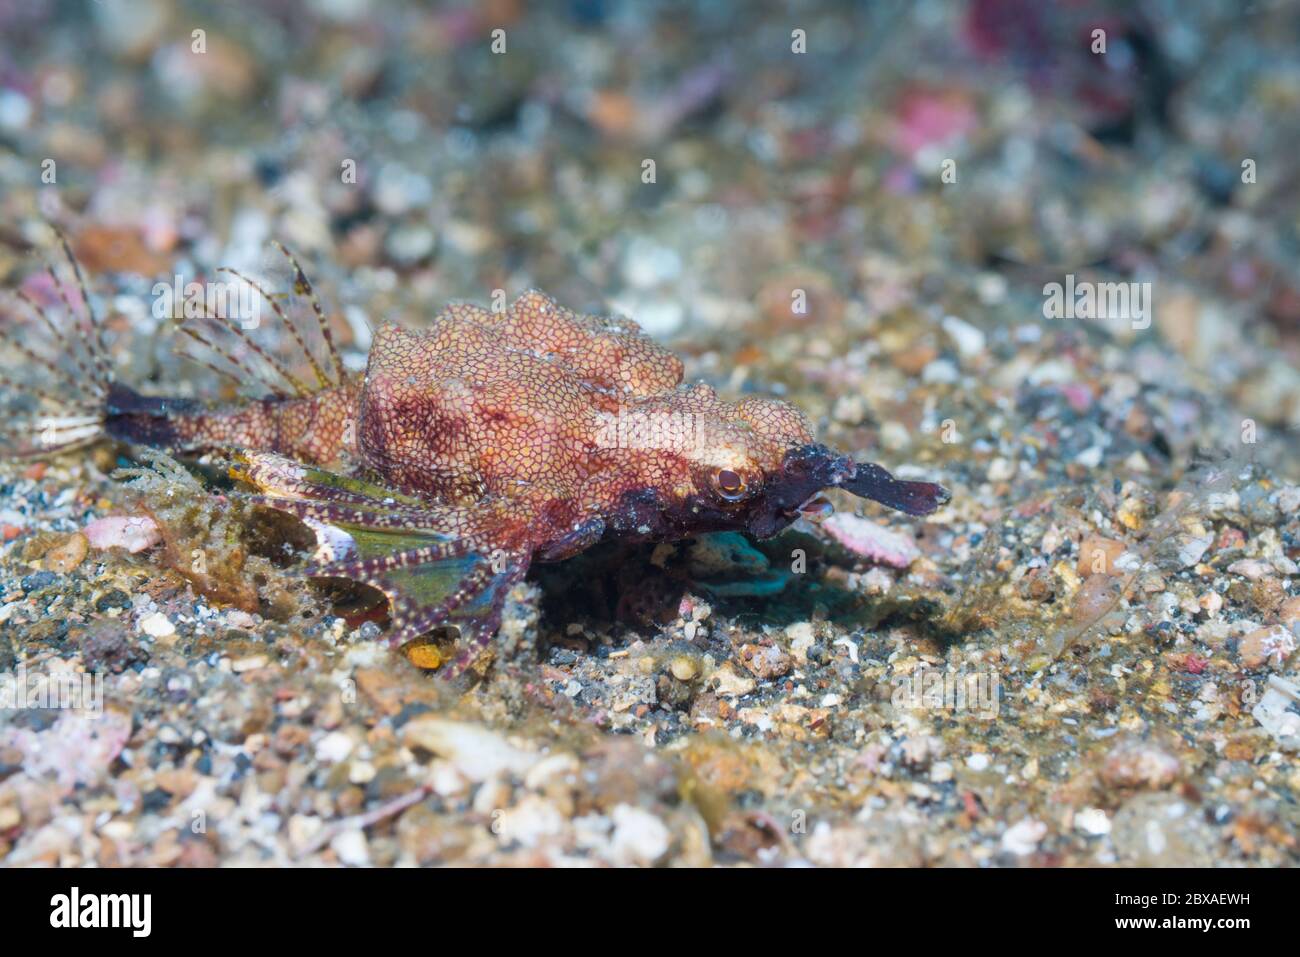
(412, 155)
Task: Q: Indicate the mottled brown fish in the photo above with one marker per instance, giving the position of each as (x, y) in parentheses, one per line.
(466, 450)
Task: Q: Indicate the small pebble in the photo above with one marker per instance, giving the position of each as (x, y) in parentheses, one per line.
(1092, 821)
(334, 747)
(65, 557)
(1023, 838)
(639, 837)
(157, 625)
(684, 668)
(351, 848)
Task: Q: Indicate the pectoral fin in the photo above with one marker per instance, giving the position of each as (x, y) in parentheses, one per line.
(393, 543)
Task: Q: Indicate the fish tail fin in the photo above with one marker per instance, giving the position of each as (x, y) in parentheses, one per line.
(55, 369)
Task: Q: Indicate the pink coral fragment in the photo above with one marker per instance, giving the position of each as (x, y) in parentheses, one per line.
(872, 541)
(135, 533)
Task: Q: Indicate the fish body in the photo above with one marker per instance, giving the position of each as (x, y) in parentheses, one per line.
(482, 443)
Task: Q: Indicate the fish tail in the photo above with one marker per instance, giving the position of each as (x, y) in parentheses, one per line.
(58, 392)
(56, 376)
(163, 423)
(314, 429)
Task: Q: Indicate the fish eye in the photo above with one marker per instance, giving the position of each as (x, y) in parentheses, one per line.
(729, 483)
